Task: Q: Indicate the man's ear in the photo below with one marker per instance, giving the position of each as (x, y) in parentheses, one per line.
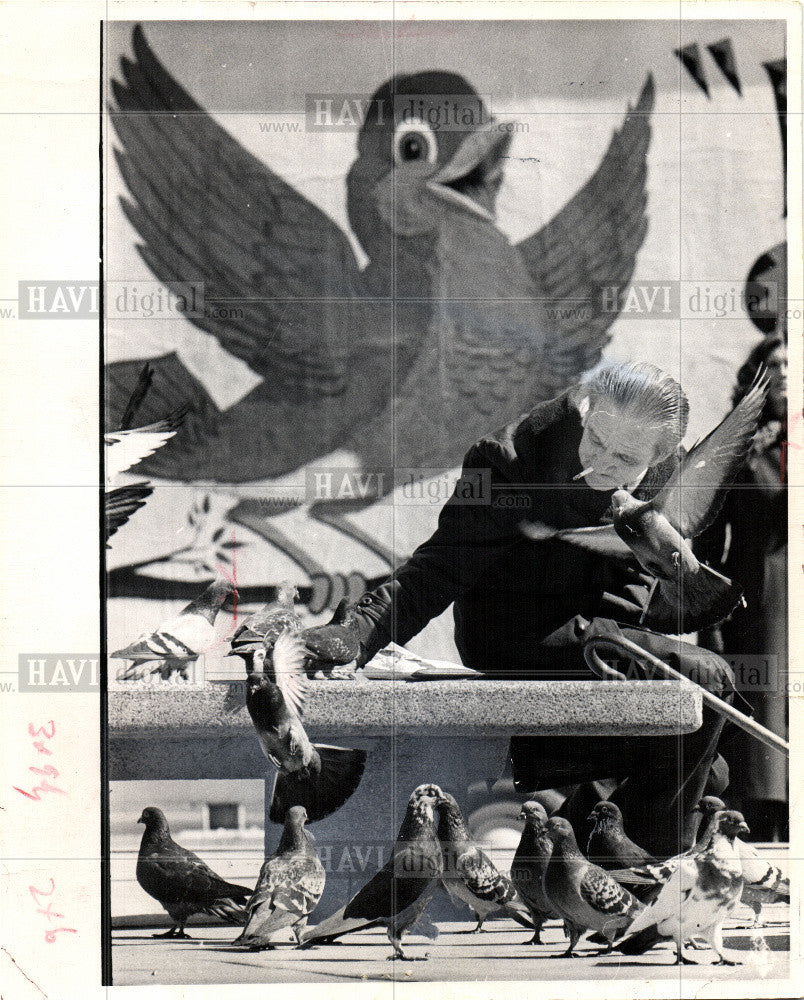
(580, 399)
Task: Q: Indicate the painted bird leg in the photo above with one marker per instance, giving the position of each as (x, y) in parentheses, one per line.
(167, 934)
(298, 929)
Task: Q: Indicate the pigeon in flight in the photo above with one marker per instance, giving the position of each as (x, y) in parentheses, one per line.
(687, 594)
(261, 630)
(395, 897)
(289, 888)
(696, 899)
(469, 876)
(182, 639)
(609, 846)
(404, 361)
(319, 777)
(529, 864)
(585, 896)
(180, 881)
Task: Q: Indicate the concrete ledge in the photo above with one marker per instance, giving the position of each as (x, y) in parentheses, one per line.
(174, 731)
(625, 708)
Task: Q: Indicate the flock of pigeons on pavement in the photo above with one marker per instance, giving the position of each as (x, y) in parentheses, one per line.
(627, 900)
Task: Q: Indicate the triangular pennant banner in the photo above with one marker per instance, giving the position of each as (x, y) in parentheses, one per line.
(690, 57)
(723, 54)
(777, 71)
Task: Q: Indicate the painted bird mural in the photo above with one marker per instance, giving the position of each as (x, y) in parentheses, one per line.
(403, 362)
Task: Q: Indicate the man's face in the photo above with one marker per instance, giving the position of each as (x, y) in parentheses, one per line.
(617, 446)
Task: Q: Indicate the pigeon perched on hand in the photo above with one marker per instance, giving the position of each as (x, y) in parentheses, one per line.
(609, 846)
(181, 881)
(697, 898)
(764, 882)
(469, 876)
(529, 864)
(267, 623)
(320, 778)
(687, 594)
(182, 639)
(583, 894)
(290, 885)
(336, 643)
(395, 897)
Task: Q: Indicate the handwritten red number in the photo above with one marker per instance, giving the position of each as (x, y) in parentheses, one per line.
(50, 936)
(34, 792)
(41, 892)
(41, 730)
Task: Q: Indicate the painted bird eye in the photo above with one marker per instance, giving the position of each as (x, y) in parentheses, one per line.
(415, 141)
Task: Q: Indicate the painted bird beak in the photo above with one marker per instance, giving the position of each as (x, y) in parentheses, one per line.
(141, 819)
(474, 173)
(744, 828)
(591, 818)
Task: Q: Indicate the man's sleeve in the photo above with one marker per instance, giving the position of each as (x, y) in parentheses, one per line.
(471, 534)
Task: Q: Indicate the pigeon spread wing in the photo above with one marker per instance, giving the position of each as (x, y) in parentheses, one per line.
(591, 244)
(695, 492)
(288, 658)
(600, 539)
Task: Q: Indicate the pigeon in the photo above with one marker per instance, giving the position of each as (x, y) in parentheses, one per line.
(687, 594)
(764, 882)
(445, 299)
(395, 897)
(583, 894)
(127, 447)
(289, 888)
(697, 898)
(608, 845)
(337, 642)
(469, 876)
(319, 777)
(181, 881)
(529, 864)
(263, 627)
(182, 639)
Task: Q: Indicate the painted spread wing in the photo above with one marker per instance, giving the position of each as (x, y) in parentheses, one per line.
(288, 658)
(695, 492)
(604, 894)
(207, 210)
(121, 502)
(591, 244)
(124, 449)
(600, 539)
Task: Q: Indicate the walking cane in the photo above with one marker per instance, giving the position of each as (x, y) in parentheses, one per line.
(623, 645)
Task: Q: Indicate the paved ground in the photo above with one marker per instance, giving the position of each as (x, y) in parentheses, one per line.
(497, 953)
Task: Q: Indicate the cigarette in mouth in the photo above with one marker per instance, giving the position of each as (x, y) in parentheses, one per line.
(585, 472)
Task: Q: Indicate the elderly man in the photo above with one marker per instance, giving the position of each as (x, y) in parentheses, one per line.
(521, 607)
